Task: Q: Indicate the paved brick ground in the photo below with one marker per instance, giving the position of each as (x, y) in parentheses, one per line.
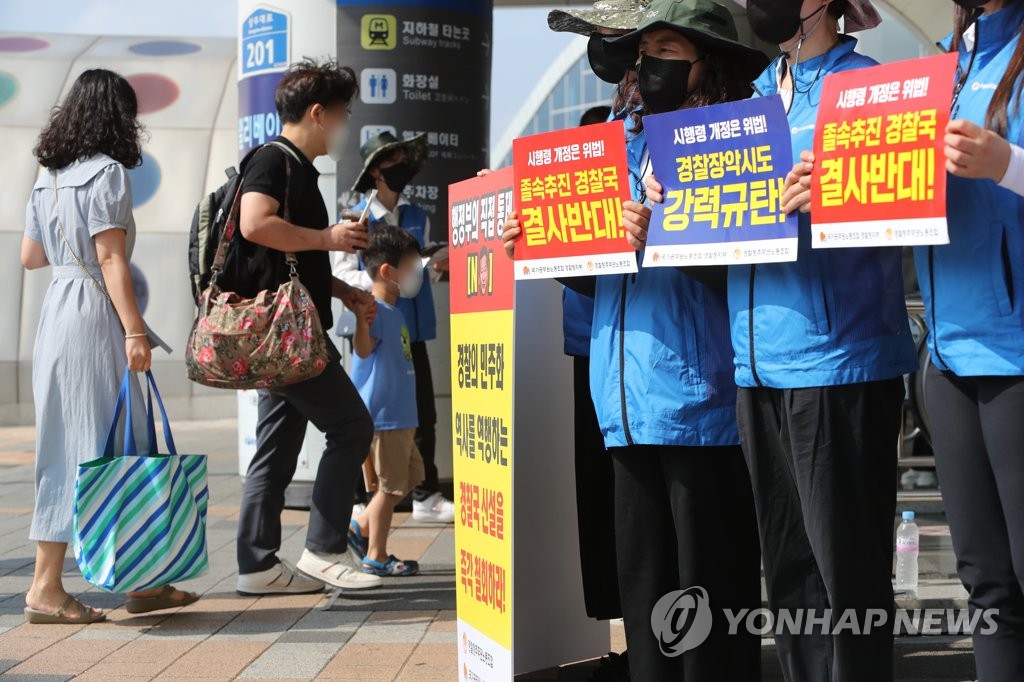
(405, 631)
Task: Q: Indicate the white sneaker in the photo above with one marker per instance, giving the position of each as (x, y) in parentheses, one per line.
(926, 479)
(332, 570)
(279, 579)
(434, 509)
(909, 479)
(358, 509)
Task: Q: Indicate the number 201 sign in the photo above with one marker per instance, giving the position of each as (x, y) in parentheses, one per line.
(264, 43)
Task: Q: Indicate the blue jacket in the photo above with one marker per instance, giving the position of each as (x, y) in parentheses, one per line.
(577, 309)
(835, 316)
(577, 315)
(420, 317)
(660, 367)
(973, 286)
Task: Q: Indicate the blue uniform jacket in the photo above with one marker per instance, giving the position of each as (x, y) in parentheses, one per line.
(577, 314)
(661, 366)
(973, 286)
(835, 316)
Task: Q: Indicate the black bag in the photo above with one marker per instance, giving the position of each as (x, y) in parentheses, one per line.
(207, 227)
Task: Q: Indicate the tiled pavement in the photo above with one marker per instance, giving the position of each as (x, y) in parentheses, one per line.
(404, 631)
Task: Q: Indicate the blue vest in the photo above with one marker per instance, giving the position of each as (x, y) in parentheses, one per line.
(973, 286)
(660, 363)
(835, 316)
(420, 317)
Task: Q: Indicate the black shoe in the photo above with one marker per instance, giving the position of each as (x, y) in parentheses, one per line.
(612, 668)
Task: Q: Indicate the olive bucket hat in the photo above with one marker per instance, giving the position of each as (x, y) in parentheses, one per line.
(380, 146)
(617, 15)
(707, 24)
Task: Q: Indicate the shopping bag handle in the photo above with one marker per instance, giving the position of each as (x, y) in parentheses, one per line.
(124, 402)
(150, 425)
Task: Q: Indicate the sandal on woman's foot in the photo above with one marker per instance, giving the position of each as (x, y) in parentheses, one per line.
(71, 612)
(392, 567)
(164, 600)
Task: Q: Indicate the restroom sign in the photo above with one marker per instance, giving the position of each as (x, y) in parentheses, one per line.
(265, 42)
(377, 86)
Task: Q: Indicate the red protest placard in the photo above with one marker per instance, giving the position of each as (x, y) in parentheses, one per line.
(480, 272)
(879, 163)
(569, 189)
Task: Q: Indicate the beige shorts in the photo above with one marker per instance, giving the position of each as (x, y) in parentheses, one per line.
(394, 465)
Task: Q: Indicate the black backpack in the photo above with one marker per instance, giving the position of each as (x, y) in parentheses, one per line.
(208, 226)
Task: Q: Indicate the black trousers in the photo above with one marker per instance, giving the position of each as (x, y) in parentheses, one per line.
(595, 502)
(977, 426)
(823, 466)
(426, 411)
(684, 517)
(332, 404)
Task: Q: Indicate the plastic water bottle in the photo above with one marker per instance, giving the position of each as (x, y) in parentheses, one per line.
(908, 539)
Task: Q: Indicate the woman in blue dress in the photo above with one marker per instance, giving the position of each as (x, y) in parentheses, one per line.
(79, 221)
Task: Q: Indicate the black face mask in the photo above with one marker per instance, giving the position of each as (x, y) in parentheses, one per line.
(776, 21)
(398, 176)
(603, 66)
(970, 4)
(664, 83)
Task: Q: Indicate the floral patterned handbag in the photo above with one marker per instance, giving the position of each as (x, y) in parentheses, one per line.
(274, 339)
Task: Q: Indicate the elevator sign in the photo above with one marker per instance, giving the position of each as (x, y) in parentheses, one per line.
(264, 42)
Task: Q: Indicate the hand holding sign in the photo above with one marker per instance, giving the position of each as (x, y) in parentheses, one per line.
(636, 219)
(511, 231)
(655, 192)
(796, 194)
(974, 152)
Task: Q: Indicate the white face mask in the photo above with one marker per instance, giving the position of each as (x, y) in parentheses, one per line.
(410, 283)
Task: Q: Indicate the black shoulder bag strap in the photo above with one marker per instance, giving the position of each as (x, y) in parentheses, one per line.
(232, 222)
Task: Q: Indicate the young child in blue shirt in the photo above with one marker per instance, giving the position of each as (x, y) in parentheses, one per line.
(382, 371)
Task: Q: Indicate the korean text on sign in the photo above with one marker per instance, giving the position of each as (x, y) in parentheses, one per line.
(879, 175)
(569, 189)
(482, 357)
(723, 169)
(480, 274)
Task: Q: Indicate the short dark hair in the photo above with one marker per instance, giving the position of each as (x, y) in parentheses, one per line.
(310, 82)
(388, 245)
(594, 115)
(99, 115)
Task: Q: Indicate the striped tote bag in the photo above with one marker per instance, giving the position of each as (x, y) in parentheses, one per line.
(140, 520)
